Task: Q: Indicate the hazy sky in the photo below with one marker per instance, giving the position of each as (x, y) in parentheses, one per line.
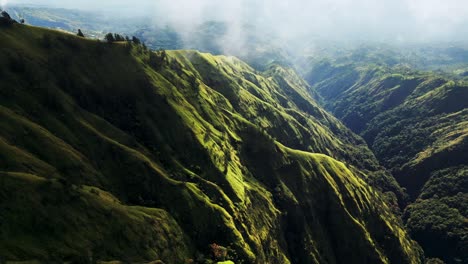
(379, 20)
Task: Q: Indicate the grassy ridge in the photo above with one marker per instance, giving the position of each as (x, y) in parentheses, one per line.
(141, 156)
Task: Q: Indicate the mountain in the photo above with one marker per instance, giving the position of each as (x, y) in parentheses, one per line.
(109, 151)
(444, 58)
(416, 124)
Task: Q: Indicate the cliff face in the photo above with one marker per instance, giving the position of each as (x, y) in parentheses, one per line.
(111, 152)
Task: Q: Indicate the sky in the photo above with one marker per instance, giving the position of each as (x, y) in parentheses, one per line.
(293, 20)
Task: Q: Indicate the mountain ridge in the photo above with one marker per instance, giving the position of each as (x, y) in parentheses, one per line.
(113, 129)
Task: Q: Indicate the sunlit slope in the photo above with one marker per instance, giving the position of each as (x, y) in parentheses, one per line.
(109, 152)
(417, 125)
(278, 102)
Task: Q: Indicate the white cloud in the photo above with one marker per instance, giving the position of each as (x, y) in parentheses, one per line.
(293, 19)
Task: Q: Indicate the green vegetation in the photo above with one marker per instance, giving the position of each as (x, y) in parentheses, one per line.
(53, 220)
(109, 152)
(438, 218)
(416, 124)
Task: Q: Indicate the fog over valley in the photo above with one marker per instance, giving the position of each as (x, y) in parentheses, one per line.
(299, 20)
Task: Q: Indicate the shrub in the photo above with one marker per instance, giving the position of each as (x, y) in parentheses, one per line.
(218, 252)
(80, 34)
(434, 261)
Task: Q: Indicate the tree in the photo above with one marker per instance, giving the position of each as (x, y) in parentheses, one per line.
(80, 34)
(136, 40)
(109, 37)
(6, 15)
(118, 37)
(162, 53)
(5, 19)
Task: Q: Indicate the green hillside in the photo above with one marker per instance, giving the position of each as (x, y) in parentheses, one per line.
(417, 125)
(110, 152)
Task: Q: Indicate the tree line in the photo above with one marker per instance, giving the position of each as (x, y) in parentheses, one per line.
(118, 38)
(114, 37)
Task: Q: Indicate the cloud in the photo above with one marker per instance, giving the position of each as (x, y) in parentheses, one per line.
(366, 19)
(300, 23)
(301, 20)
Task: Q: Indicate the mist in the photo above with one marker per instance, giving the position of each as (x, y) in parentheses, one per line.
(413, 20)
(298, 21)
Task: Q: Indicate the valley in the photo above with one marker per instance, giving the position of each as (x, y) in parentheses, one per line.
(168, 149)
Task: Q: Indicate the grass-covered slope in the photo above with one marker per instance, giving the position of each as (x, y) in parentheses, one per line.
(417, 125)
(277, 101)
(110, 152)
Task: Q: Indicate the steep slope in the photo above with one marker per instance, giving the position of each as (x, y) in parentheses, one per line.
(416, 124)
(279, 104)
(111, 152)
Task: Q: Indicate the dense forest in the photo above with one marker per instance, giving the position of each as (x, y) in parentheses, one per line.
(416, 123)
